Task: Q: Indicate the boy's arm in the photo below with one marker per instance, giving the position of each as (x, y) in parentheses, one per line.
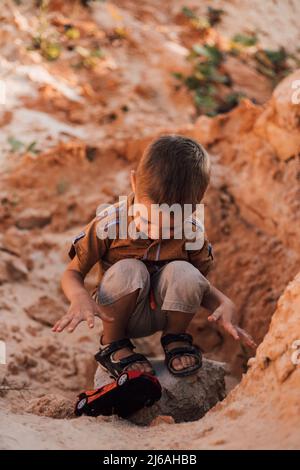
(82, 307)
(223, 312)
(222, 309)
(87, 250)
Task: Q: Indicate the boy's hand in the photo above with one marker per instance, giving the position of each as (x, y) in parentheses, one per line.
(83, 308)
(224, 316)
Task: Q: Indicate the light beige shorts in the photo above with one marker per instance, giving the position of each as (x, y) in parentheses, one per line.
(177, 286)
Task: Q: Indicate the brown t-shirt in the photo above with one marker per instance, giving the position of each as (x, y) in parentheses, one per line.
(90, 246)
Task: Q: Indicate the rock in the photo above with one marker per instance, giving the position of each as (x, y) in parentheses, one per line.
(45, 311)
(13, 241)
(17, 270)
(12, 268)
(248, 80)
(33, 218)
(284, 367)
(183, 398)
(279, 123)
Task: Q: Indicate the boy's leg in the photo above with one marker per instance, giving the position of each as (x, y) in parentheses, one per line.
(177, 323)
(123, 290)
(179, 289)
(120, 311)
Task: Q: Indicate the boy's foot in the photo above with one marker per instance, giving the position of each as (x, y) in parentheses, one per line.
(141, 366)
(118, 356)
(182, 357)
(181, 362)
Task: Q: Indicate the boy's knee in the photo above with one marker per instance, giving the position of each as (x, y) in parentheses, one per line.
(182, 287)
(185, 276)
(123, 278)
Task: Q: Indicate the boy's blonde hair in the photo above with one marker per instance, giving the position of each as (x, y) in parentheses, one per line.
(173, 169)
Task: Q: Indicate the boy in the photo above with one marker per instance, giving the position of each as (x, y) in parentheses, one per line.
(151, 282)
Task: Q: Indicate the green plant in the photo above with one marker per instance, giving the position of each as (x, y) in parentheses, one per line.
(205, 102)
(50, 50)
(230, 101)
(177, 75)
(212, 54)
(214, 15)
(206, 77)
(198, 22)
(88, 58)
(278, 58)
(272, 63)
(245, 40)
(71, 32)
(97, 52)
(31, 148)
(17, 145)
(210, 85)
(186, 11)
(46, 39)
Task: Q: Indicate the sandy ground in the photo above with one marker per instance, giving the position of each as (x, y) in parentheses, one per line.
(261, 413)
(86, 145)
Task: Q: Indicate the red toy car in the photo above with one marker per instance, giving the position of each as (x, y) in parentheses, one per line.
(129, 393)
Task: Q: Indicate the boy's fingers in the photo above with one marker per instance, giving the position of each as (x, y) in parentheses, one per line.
(74, 323)
(54, 327)
(244, 336)
(231, 329)
(90, 319)
(61, 324)
(214, 316)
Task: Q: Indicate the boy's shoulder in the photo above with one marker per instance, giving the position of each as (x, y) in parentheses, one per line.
(102, 227)
(109, 218)
(194, 231)
(108, 211)
(195, 222)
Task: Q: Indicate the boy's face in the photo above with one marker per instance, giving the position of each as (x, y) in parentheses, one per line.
(153, 222)
(149, 221)
(157, 224)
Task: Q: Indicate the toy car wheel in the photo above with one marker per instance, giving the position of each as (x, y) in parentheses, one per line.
(122, 379)
(81, 404)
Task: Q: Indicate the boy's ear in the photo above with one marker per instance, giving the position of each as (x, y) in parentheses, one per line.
(133, 180)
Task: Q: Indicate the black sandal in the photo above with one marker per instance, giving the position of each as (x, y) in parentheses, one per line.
(188, 350)
(105, 357)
